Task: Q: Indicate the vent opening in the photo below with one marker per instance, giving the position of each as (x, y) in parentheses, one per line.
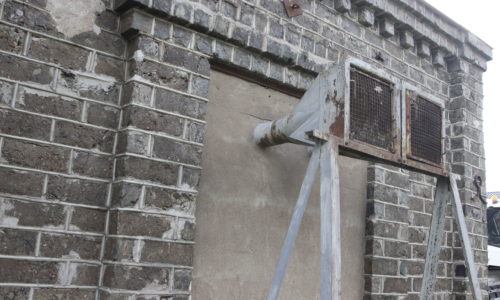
(426, 130)
(371, 118)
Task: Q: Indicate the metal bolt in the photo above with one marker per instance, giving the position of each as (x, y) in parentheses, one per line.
(295, 6)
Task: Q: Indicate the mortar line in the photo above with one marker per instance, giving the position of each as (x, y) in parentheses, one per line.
(141, 80)
(153, 184)
(15, 137)
(159, 134)
(39, 33)
(43, 201)
(14, 95)
(51, 90)
(45, 187)
(27, 43)
(52, 130)
(2, 4)
(54, 230)
(38, 243)
(51, 259)
(129, 154)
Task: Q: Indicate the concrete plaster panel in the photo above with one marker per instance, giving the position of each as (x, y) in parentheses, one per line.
(246, 199)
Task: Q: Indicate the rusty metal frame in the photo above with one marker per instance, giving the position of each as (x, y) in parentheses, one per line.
(410, 91)
(360, 146)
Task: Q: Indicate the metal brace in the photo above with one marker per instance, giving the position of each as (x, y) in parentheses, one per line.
(293, 8)
(478, 182)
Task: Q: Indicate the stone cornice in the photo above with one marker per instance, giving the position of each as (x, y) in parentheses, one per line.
(445, 38)
(431, 24)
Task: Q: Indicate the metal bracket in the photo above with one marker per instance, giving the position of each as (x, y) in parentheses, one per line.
(318, 135)
(293, 8)
(478, 182)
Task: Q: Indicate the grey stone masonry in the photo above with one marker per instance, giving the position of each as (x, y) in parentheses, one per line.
(102, 122)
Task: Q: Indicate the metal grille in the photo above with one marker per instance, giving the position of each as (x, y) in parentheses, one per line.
(370, 110)
(426, 126)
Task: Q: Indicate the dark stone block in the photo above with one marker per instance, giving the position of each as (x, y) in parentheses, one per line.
(166, 199)
(182, 280)
(67, 294)
(17, 242)
(188, 60)
(11, 39)
(134, 278)
(126, 194)
(110, 66)
(83, 136)
(59, 53)
(14, 293)
(137, 224)
(161, 74)
(21, 124)
(152, 121)
(92, 165)
(34, 214)
(16, 68)
(167, 252)
(77, 191)
(21, 182)
(87, 219)
(103, 115)
(49, 104)
(89, 87)
(38, 156)
(178, 103)
(145, 169)
(175, 151)
(74, 246)
(30, 17)
(22, 271)
(132, 142)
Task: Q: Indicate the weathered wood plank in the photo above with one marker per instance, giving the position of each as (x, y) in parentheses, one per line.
(293, 229)
(435, 239)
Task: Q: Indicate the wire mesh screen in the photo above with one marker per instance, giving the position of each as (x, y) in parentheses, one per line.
(426, 126)
(370, 110)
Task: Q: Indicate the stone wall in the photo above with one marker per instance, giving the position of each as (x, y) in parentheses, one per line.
(102, 107)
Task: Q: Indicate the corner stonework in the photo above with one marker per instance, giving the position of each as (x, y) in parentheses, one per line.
(151, 225)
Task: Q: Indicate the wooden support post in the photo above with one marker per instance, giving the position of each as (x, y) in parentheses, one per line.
(435, 239)
(464, 239)
(293, 229)
(330, 222)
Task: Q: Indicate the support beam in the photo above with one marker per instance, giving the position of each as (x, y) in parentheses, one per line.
(435, 239)
(464, 239)
(293, 229)
(330, 222)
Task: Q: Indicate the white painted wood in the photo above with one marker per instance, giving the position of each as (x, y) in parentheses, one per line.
(330, 223)
(293, 229)
(435, 239)
(464, 239)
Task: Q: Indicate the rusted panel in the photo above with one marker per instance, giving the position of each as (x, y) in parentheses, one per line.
(425, 125)
(337, 127)
(424, 131)
(293, 8)
(371, 116)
